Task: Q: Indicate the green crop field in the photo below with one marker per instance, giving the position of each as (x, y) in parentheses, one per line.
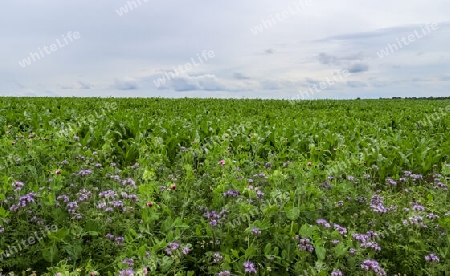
(92, 186)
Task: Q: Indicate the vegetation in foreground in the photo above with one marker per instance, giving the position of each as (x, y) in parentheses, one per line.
(224, 187)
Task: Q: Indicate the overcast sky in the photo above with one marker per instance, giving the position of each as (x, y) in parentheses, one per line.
(225, 49)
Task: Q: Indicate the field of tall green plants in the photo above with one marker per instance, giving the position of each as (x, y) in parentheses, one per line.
(92, 186)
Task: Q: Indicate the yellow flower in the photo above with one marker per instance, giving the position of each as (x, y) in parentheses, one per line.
(78, 269)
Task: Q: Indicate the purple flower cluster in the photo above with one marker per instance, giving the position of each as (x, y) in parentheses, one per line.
(432, 216)
(129, 262)
(17, 186)
(365, 237)
(233, 193)
(370, 244)
(262, 175)
(414, 177)
(84, 172)
(107, 194)
(130, 196)
(340, 229)
(214, 217)
(323, 222)
(305, 244)
(126, 272)
(119, 240)
(374, 266)
(224, 273)
(72, 207)
(259, 194)
(115, 177)
(250, 267)
(128, 181)
(185, 250)
(23, 201)
(417, 206)
(432, 258)
(64, 198)
(256, 231)
(391, 181)
(377, 205)
(415, 220)
(83, 195)
(173, 246)
(217, 258)
(336, 272)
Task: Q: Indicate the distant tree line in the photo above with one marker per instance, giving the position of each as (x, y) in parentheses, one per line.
(417, 98)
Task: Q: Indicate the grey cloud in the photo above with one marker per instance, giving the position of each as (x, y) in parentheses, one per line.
(240, 76)
(328, 59)
(66, 86)
(356, 84)
(125, 84)
(207, 82)
(358, 68)
(84, 85)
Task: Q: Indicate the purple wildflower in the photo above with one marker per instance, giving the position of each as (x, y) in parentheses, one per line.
(172, 247)
(256, 231)
(186, 250)
(119, 240)
(129, 262)
(342, 230)
(432, 258)
(233, 193)
(336, 272)
(250, 267)
(217, 258)
(374, 266)
(126, 272)
(323, 222)
(84, 172)
(305, 245)
(17, 185)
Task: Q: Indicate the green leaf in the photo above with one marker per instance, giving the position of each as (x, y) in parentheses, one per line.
(320, 252)
(268, 248)
(293, 213)
(340, 250)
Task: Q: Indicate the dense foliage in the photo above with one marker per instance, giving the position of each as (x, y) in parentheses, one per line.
(224, 187)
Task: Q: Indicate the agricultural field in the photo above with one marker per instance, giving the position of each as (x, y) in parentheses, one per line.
(92, 186)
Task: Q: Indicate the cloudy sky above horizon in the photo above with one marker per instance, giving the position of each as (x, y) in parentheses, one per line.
(258, 49)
